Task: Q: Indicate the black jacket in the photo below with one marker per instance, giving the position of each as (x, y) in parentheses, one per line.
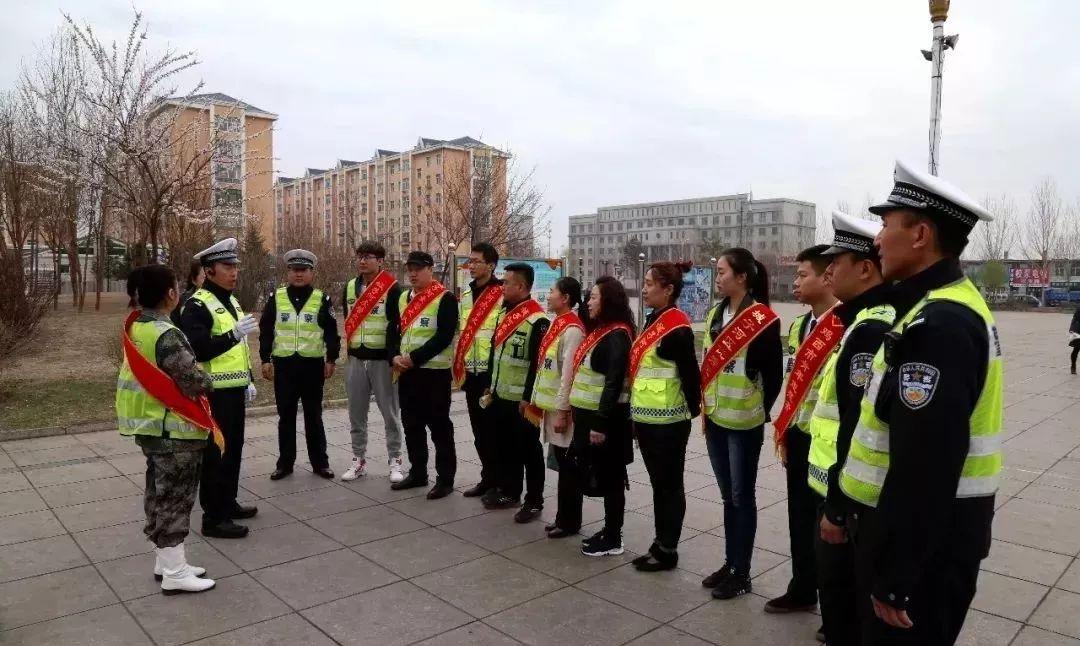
(298, 296)
(1074, 326)
(532, 349)
(610, 358)
(764, 357)
(851, 369)
(678, 346)
(393, 295)
(446, 322)
(921, 519)
(175, 315)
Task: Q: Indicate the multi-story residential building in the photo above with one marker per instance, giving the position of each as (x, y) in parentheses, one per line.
(692, 229)
(402, 199)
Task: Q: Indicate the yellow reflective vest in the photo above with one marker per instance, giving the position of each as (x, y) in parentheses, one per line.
(298, 332)
(733, 400)
(232, 368)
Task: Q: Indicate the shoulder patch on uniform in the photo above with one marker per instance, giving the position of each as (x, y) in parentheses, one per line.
(859, 369)
(917, 381)
(220, 310)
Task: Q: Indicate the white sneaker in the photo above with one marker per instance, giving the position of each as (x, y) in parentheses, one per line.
(159, 568)
(358, 468)
(395, 471)
(177, 575)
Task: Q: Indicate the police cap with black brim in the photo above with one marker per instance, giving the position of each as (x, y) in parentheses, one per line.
(934, 197)
(300, 258)
(224, 251)
(852, 234)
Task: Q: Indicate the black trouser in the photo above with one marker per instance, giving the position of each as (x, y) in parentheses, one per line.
(1072, 357)
(663, 448)
(519, 450)
(568, 516)
(607, 463)
(939, 600)
(296, 380)
(483, 428)
(836, 588)
(221, 473)
(425, 404)
(802, 508)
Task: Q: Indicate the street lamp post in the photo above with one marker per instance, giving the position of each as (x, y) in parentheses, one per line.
(939, 11)
(641, 286)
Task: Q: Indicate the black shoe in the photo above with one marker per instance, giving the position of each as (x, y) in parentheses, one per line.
(324, 472)
(603, 546)
(592, 539)
(786, 603)
(410, 482)
(735, 585)
(656, 560)
(440, 491)
(224, 529)
(820, 634)
(478, 490)
(550, 527)
(278, 474)
(528, 512)
(489, 495)
(718, 577)
(501, 502)
(240, 511)
(559, 532)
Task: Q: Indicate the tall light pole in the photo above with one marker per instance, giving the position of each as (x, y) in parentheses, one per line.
(939, 11)
(641, 285)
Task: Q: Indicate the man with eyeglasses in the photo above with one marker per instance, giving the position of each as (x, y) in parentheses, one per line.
(370, 304)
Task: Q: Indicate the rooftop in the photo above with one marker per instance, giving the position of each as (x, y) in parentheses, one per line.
(217, 97)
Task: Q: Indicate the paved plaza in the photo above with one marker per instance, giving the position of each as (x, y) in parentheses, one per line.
(356, 563)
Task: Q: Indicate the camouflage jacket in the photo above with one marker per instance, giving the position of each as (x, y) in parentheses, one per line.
(176, 359)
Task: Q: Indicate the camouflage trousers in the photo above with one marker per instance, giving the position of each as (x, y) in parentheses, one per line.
(173, 468)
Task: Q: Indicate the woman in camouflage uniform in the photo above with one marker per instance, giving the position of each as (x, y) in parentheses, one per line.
(173, 448)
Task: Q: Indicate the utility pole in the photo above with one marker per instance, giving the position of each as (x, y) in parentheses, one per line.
(939, 11)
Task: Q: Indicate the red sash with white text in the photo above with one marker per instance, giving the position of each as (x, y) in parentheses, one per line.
(812, 355)
(420, 302)
(562, 323)
(512, 321)
(482, 308)
(594, 337)
(733, 338)
(367, 301)
(671, 320)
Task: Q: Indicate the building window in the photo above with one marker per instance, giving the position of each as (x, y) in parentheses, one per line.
(775, 230)
(227, 124)
(438, 178)
(427, 160)
(228, 197)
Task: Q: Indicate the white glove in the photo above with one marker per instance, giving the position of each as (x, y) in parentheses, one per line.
(244, 327)
(249, 395)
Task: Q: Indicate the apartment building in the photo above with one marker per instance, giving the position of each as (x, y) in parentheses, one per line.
(690, 229)
(400, 198)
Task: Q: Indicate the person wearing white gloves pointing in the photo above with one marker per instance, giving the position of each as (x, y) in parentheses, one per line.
(217, 329)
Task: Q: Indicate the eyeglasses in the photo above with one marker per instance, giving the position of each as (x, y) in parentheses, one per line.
(367, 256)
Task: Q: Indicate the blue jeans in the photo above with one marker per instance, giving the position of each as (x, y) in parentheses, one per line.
(734, 456)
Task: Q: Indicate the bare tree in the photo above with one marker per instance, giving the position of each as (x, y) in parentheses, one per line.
(995, 239)
(336, 261)
(1043, 230)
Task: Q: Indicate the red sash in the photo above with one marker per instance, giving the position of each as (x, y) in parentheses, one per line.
(514, 319)
(733, 338)
(482, 308)
(562, 322)
(419, 302)
(161, 387)
(669, 321)
(594, 337)
(366, 302)
(812, 355)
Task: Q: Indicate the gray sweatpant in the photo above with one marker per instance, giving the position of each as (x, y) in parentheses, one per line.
(362, 378)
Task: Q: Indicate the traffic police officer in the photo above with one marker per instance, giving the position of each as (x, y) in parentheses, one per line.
(855, 278)
(217, 329)
(925, 457)
(298, 345)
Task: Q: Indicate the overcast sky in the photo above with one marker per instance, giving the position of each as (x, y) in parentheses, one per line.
(633, 101)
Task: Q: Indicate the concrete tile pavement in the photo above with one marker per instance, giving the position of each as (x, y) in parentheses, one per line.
(356, 563)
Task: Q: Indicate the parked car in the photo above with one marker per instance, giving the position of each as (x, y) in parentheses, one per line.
(1026, 300)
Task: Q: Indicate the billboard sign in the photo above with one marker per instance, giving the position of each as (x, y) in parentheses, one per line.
(1029, 276)
(545, 272)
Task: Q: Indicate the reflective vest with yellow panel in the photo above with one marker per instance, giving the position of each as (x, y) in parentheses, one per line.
(372, 330)
(588, 385)
(549, 376)
(801, 421)
(824, 424)
(422, 330)
(138, 413)
(868, 460)
(479, 352)
(733, 400)
(656, 394)
(232, 368)
(298, 332)
(511, 369)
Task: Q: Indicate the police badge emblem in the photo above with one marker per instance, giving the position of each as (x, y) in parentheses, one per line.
(859, 369)
(918, 381)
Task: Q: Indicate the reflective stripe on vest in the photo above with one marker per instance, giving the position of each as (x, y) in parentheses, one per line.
(868, 460)
(479, 352)
(422, 330)
(232, 368)
(825, 422)
(793, 342)
(733, 400)
(137, 413)
(656, 395)
(298, 332)
(548, 378)
(801, 420)
(589, 385)
(372, 331)
(511, 369)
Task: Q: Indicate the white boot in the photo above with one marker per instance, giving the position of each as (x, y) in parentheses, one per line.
(158, 567)
(177, 575)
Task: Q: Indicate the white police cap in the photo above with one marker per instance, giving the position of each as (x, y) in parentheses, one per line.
(300, 258)
(921, 191)
(224, 251)
(852, 234)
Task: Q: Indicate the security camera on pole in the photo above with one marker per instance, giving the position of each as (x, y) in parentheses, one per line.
(939, 10)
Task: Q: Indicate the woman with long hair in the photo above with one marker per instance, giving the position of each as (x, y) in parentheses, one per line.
(600, 400)
(665, 394)
(737, 400)
(551, 394)
(195, 277)
(157, 414)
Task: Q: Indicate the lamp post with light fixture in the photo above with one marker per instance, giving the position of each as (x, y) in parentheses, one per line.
(939, 11)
